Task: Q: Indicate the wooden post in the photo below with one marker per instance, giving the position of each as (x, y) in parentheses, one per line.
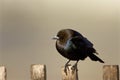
(38, 72)
(70, 75)
(3, 73)
(110, 72)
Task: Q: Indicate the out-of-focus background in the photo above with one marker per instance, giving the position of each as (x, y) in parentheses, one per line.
(27, 26)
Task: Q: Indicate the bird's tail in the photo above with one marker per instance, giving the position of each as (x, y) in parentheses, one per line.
(95, 58)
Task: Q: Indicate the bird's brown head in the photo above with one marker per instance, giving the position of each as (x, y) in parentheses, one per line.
(63, 35)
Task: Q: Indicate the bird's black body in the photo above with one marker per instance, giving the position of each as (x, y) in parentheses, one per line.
(73, 46)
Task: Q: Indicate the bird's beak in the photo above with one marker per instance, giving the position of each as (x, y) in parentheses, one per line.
(55, 38)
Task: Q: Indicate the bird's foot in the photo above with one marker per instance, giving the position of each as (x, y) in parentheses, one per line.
(74, 67)
(66, 68)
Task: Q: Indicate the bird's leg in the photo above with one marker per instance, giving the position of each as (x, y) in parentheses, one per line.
(74, 67)
(66, 67)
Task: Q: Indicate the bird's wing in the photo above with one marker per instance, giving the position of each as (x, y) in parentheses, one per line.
(76, 43)
(81, 41)
(87, 42)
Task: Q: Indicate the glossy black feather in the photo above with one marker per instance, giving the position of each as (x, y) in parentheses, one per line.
(73, 46)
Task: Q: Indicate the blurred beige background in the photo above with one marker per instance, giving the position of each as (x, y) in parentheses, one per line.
(27, 27)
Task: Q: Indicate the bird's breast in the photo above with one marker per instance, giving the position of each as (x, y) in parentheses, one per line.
(69, 46)
(69, 51)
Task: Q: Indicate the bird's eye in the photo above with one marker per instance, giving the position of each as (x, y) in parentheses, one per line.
(62, 35)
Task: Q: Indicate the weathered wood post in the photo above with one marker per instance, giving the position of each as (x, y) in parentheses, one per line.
(38, 72)
(110, 72)
(70, 75)
(3, 73)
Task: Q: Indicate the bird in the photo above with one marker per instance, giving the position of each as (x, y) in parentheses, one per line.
(74, 46)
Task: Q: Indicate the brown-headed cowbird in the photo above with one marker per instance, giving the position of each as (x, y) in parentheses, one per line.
(73, 46)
